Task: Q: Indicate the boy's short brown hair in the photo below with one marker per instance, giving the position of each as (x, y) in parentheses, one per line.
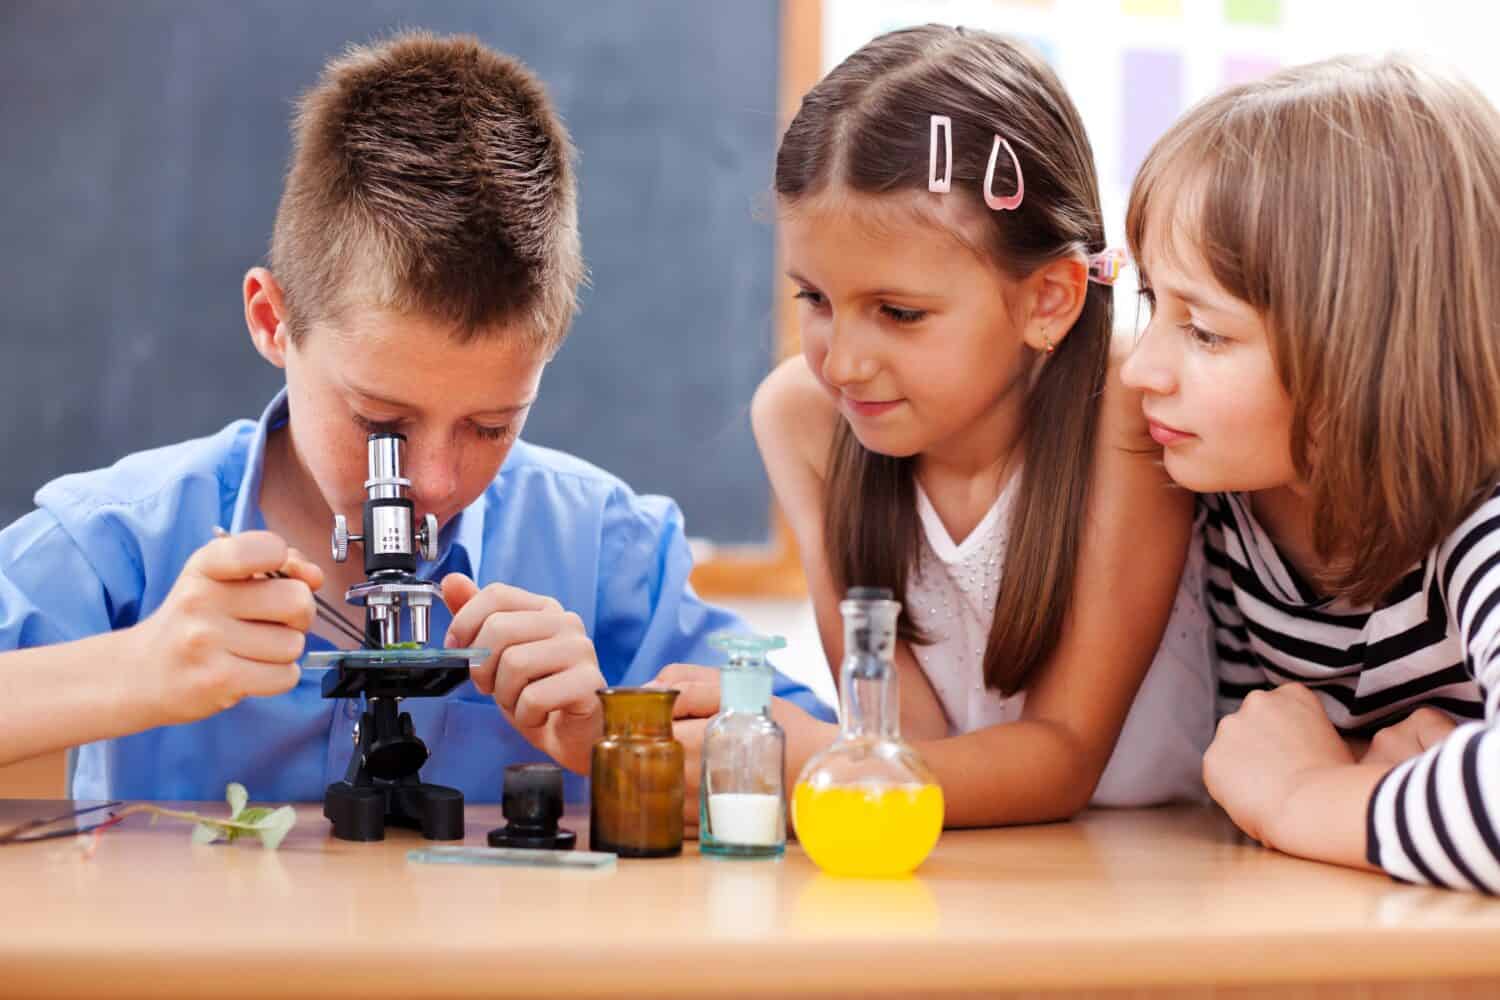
(431, 176)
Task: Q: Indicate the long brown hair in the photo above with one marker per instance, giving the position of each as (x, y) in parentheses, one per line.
(1354, 204)
(865, 127)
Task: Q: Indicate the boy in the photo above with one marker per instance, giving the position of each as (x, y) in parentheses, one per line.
(423, 271)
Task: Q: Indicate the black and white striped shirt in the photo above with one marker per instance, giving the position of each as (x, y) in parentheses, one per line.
(1434, 640)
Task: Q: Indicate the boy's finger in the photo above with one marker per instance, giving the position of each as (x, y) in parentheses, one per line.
(299, 567)
(695, 700)
(525, 664)
(675, 674)
(240, 557)
(263, 680)
(283, 602)
(572, 691)
(505, 629)
(469, 618)
(501, 632)
(458, 590)
(264, 643)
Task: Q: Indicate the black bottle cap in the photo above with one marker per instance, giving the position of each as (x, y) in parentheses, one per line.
(532, 801)
(870, 594)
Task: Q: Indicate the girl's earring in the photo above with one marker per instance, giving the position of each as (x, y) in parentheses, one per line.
(1050, 347)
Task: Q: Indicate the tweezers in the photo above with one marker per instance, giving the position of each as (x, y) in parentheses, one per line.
(22, 832)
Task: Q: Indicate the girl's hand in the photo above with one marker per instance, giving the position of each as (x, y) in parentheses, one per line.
(1424, 728)
(1263, 752)
(698, 701)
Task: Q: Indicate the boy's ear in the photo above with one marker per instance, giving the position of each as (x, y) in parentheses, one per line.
(1058, 292)
(265, 315)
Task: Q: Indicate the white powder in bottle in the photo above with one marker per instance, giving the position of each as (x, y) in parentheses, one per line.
(748, 819)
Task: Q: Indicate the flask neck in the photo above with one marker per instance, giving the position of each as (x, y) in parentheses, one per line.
(868, 695)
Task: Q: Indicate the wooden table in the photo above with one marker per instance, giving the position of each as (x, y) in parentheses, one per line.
(1135, 903)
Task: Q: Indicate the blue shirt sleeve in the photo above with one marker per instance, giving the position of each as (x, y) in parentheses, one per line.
(648, 615)
(49, 591)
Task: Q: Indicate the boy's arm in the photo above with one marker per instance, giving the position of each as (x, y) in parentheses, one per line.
(648, 615)
(57, 689)
(68, 676)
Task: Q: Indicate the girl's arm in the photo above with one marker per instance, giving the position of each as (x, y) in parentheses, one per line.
(794, 423)
(1045, 766)
(1436, 818)
(1135, 540)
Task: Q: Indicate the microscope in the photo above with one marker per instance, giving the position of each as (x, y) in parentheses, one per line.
(382, 785)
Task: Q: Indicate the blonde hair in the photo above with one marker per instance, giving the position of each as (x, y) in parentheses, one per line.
(1355, 204)
(431, 176)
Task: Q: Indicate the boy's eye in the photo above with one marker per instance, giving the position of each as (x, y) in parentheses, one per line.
(377, 426)
(904, 315)
(812, 298)
(492, 433)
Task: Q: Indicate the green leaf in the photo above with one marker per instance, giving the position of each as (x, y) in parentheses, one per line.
(253, 815)
(237, 796)
(205, 834)
(275, 827)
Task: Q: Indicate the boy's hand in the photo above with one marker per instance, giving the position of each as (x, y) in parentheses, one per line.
(698, 701)
(542, 669)
(225, 631)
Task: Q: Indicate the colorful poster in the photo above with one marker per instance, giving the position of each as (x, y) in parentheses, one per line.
(1261, 12)
(1243, 69)
(1151, 98)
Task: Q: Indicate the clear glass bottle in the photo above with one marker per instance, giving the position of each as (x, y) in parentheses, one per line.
(742, 794)
(868, 806)
(637, 790)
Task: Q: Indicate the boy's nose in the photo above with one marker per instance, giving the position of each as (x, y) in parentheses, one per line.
(434, 474)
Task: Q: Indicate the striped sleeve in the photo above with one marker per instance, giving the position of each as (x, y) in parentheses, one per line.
(1236, 670)
(1435, 819)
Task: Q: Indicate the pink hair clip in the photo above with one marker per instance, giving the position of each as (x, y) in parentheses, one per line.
(1106, 265)
(945, 184)
(1010, 202)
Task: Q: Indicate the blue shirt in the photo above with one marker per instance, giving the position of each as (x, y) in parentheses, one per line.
(104, 548)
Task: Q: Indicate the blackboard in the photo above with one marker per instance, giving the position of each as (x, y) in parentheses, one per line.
(145, 144)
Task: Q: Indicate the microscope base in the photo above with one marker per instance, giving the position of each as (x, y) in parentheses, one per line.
(362, 812)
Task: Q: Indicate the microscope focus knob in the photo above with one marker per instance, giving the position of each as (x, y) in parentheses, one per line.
(427, 537)
(342, 538)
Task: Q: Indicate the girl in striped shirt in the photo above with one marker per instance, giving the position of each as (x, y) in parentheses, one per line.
(1322, 362)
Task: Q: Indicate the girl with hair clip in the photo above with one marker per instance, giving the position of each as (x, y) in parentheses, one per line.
(1322, 362)
(953, 431)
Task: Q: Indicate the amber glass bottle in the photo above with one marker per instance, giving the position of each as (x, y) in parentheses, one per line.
(637, 777)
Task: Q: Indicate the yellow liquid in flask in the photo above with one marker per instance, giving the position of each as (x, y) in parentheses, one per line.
(868, 831)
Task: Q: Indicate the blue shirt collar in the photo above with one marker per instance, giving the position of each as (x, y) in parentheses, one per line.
(460, 539)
